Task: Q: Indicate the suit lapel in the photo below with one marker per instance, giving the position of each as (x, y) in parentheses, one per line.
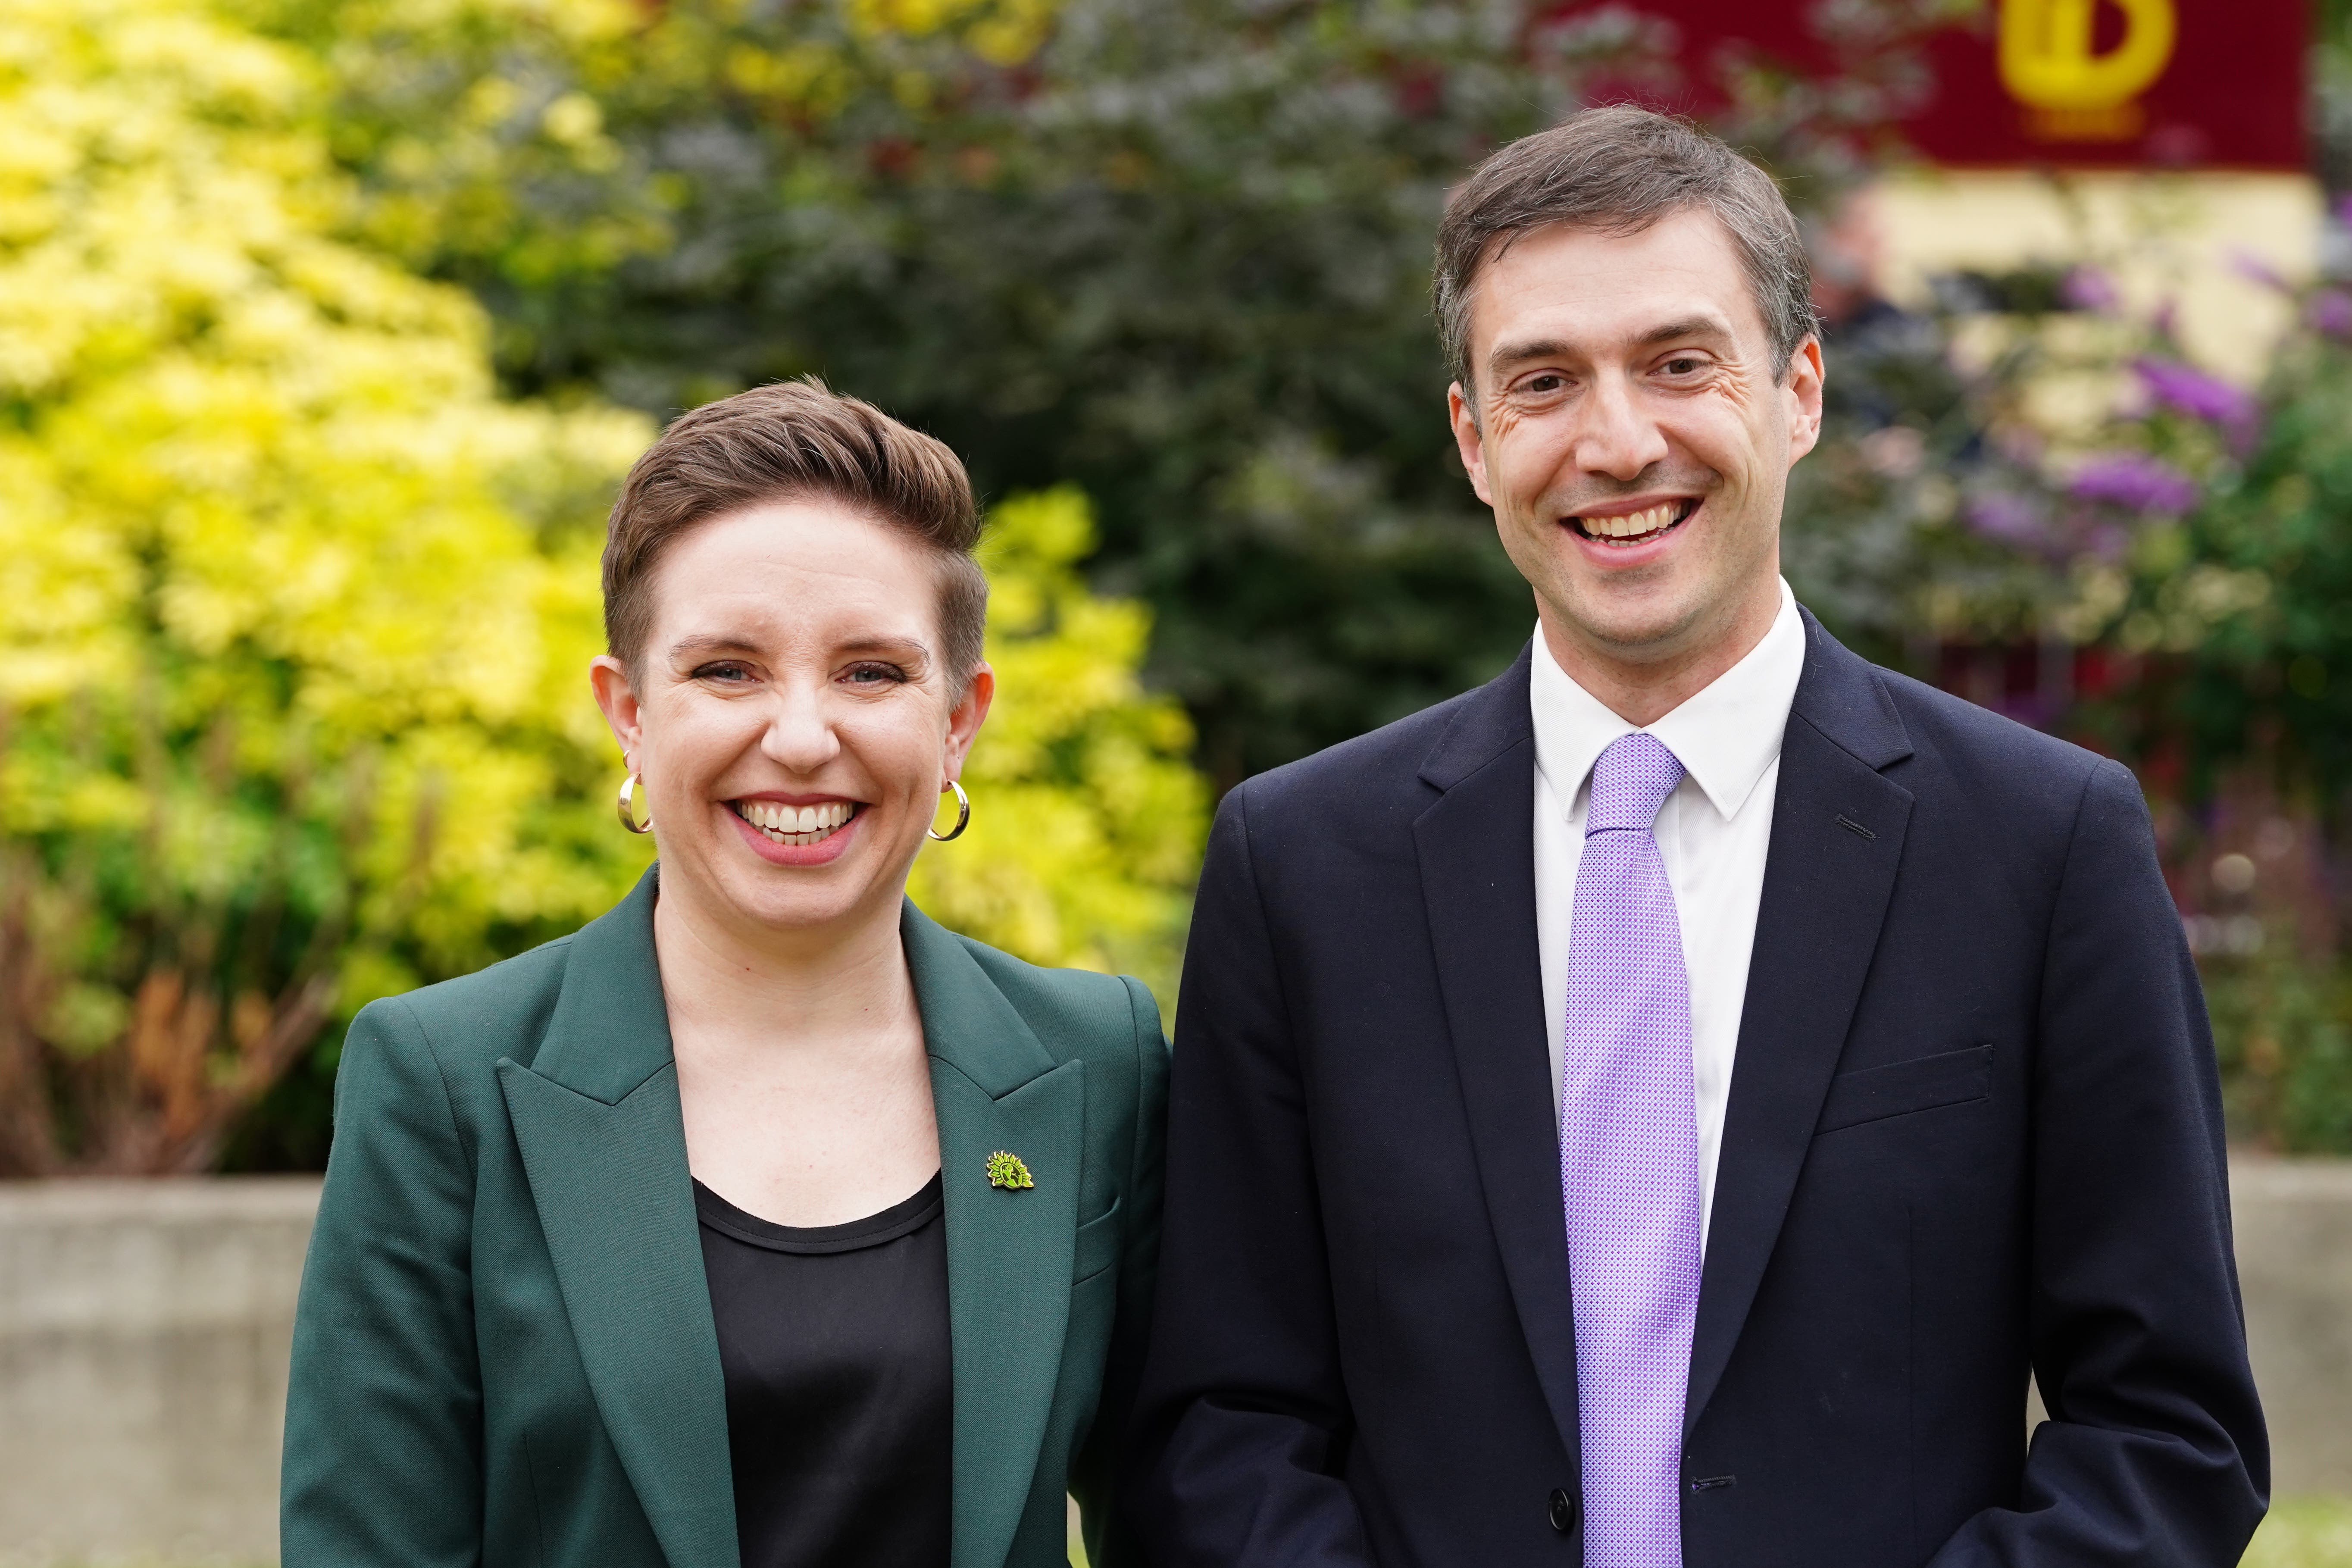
(596, 1119)
(1476, 849)
(1826, 888)
(1010, 1252)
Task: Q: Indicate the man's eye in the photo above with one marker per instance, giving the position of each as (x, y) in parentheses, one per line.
(1685, 365)
(1541, 385)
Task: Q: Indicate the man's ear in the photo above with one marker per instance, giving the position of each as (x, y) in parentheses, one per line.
(616, 696)
(1804, 392)
(1468, 438)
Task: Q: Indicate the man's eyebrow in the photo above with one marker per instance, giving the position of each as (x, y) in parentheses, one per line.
(1556, 348)
(1536, 348)
(1688, 327)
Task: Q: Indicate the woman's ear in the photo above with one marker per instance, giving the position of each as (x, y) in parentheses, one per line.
(964, 721)
(617, 697)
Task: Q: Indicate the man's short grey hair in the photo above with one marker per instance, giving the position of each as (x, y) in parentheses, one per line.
(1618, 171)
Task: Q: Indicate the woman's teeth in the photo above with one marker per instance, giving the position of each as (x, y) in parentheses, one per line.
(1635, 526)
(796, 825)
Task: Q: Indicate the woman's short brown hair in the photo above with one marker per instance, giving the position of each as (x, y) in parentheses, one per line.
(795, 440)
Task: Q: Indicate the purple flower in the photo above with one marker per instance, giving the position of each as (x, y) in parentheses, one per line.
(2090, 289)
(2254, 269)
(2196, 394)
(2135, 482)
(2011, 518)
(2330, 311)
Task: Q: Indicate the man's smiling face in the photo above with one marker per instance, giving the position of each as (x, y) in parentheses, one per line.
(1630, 432)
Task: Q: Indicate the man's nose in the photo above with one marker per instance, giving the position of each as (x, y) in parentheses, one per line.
(1614, 437)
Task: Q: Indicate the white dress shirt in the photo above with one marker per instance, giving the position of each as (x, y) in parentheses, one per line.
(1713, 833)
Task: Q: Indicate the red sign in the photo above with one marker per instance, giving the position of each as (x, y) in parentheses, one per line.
(2081, 83)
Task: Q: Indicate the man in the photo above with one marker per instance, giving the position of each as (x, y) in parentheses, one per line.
(1654, 1108)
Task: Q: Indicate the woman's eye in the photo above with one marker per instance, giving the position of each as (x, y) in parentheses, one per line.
(724, 672)
(874, 675)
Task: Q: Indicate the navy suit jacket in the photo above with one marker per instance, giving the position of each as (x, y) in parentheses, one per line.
(1974, 1129)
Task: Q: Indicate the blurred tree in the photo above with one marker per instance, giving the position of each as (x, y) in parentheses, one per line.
(2191, 533)
(2330, 117)
(2252, 592)
(292, 611)
(2283, 1027)
(1934, 508)
(1173, 251)
(1087, 821)
(294, 616)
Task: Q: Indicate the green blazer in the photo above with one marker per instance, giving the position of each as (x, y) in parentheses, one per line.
(504, 1352)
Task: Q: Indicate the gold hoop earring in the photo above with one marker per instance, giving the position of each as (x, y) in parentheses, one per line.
(628, 807)
(963, 815)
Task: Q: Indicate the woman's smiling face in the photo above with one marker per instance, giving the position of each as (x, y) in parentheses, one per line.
(793, 713)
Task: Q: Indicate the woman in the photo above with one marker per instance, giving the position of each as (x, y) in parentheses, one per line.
(760, 1220)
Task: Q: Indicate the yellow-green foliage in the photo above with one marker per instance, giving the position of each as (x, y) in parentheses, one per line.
(498, 131)
(292, 610)
(1086, 824)
(295, 613)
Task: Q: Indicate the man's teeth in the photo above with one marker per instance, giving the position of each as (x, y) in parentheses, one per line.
(1633, 524)
(796, 824)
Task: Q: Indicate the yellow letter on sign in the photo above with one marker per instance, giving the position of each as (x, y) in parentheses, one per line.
(2046, 60)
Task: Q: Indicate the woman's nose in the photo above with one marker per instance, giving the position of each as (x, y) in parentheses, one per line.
(800, 734)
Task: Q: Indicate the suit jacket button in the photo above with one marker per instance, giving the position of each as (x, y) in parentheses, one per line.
(1564, 1510)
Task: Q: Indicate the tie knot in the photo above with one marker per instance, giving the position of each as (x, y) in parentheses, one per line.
(1630, 782)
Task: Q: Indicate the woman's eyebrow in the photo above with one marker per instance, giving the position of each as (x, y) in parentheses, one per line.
(721, 645)
(698, 646)
(901, 646)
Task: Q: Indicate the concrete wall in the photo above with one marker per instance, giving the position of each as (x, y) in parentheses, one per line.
(144, 1333)
(143, 1329)
(2294, 1264)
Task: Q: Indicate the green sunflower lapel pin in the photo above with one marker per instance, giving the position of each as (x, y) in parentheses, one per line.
(1006, 1171)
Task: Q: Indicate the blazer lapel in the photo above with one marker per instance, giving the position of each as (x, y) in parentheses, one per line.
(1476, 849)
(596, 1118)
(1010, 1251)
(1826, 887)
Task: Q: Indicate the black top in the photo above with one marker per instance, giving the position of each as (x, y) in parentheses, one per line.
(839, 1384)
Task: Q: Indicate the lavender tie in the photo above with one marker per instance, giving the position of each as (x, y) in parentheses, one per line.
(1629, 1165)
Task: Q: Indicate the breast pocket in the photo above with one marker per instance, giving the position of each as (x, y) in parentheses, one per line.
(1097, 1245)
(1899, 1088)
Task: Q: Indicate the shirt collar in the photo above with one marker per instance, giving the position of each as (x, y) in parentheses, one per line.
(1725, 736)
